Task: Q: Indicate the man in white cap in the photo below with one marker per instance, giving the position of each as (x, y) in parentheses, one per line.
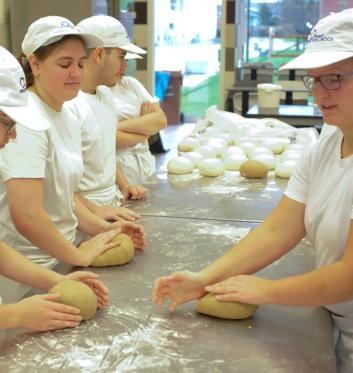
(317, 204)
(138, 112)
(39, 312)
(98, 189)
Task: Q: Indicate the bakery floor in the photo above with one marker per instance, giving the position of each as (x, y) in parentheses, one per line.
(189, 221)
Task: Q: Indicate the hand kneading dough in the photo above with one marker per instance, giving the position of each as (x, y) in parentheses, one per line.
(180, 166)
(211, 167)
(253, 170)
(77, 294)
(209, 305)
(120, 254)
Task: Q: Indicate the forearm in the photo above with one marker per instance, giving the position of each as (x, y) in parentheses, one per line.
(126, 140)
(12, 265)
(120, 180)
(88, 222)
(328, 285)
(38, 228)
(148, 124)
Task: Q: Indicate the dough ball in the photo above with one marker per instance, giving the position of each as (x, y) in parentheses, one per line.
(209, 305)
(194, 157)
(253, 170)
(122, 253)
(275, 145)
(77, 294)
(211, 167)
(188, 144)
(218, 147)
(206, 152)
(259, 150)
(285, 169)
(268, 159)
(297, 147)
(233, 139)
(233, 150)
(247, 146)
(180, 166)
(291, 155)
(234, 161)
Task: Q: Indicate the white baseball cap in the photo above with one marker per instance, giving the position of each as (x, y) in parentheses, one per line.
(132, 56)
(13, 95)
(330, 41)
(48, 30)
(110, 31)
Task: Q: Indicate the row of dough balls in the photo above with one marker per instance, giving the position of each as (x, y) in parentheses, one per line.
(235, 158)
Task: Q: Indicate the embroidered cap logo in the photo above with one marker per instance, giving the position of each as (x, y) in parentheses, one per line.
(314, 36)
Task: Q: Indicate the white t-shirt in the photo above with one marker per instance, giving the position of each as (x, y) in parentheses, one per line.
(327, 129)
(53, 155)
(98, 132)
(323, 182)
(136, 162)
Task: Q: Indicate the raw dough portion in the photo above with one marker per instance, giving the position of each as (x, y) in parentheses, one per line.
(234, 161)
(247, 146)
(188, 144)
(259, 150)
(285, 169)
(275, 145)
(253, 170)
(268, 159)
(233, 150)
(211, 167)
(77, 294)
(180, 166)
(122, 253)
(210, 306)
(291, 155)
(206, 152)
(194, 157)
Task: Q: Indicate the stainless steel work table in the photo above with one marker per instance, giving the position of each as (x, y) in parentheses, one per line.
(132, 335)
(229, 197)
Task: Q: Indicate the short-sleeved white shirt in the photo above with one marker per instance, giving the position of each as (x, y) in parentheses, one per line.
(53, 155)
(98, 132)
(323, 181)
(136, 162)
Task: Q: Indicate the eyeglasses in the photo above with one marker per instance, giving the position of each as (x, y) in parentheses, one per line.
(328, 81)
(9, 127)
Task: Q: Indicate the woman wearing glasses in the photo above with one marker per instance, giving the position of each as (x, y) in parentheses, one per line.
(318, 203)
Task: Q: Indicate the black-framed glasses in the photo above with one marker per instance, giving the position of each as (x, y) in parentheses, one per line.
(328, 81)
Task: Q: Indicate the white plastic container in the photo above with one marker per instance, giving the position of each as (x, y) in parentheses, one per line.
(268, 95)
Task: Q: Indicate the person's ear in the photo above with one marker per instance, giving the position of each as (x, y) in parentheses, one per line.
(35, 64)
(99, 55)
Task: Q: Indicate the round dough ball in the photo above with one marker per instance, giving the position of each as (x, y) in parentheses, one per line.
(209, 305)
(206, 152)
(275, 145)
(218, 147)
(188, 144)
(259, 150)
(122, 253)
(234, 161)
(297, 147)
(253, 170)
(268, 159)
(233, 139)
(291, 155)
(76, 294)
(211, 167)
(233, 150)
(247, 146)
(285, 169)
(194, 157)
(180, 166)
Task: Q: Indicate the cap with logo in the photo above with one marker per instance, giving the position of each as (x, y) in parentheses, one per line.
(330, 41)
(13, 95)
(48, 30)
(111, 32)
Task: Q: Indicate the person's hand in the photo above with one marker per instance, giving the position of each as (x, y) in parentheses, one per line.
(115, 213)
(42, 313)
(146, 108)
(134, 192)
(91, 280)
(243, 288)
(178, 288)
(135, 231)
(100, 243)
